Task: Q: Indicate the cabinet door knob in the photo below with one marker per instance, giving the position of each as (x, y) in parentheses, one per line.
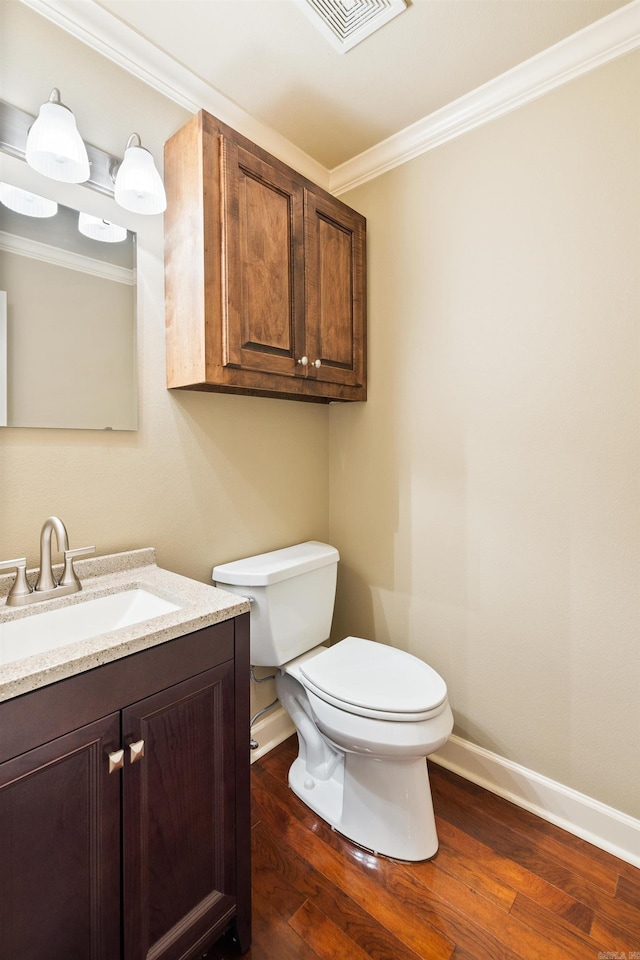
(316, 363)
(136, 751)
(116, 760)
(303, 361)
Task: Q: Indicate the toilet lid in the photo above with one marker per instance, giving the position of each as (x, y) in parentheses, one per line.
(365, 676)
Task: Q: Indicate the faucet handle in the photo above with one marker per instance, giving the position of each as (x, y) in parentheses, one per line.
(68, 574)
(20, 587)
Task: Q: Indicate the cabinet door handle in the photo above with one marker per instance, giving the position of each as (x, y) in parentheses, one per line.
(136, 751)
(316, 363)
(116, 760)
(303, 361)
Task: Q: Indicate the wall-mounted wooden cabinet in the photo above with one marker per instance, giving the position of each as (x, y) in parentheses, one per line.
(265, 273)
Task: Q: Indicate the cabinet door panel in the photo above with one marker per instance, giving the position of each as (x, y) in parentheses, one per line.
(263, 236)
(335, 293)
(178, 818)
(60, 849)
(335, 290)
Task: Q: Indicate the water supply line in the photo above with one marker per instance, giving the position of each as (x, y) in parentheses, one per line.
(253, 744)
(261, 679)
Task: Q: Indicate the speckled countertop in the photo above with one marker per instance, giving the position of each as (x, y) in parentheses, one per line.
(200, 606)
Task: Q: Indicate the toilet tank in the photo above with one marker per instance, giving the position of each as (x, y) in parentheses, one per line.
(292, 592)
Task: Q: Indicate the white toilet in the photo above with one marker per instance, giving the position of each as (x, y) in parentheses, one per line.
(367, 715)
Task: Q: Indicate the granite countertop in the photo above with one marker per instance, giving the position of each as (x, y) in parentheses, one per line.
(200, 606)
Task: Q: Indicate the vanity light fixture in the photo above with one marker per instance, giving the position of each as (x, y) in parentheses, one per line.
(29, 204)
(97, 229)
(54, 146)
(44, 143)
(138, 185)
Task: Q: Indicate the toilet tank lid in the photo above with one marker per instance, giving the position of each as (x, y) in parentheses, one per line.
(267, 568)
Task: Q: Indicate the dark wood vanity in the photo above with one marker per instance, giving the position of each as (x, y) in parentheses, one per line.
(125, 807)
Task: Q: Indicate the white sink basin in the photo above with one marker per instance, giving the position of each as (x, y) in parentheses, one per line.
(45, 630)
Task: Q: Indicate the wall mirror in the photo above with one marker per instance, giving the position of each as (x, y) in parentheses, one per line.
(67, 319)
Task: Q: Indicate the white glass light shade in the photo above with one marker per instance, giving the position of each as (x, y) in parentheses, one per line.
(29, 204)
(98, 229)
(54, 146)
(139, 186)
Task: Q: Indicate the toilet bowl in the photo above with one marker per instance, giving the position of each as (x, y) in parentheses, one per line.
(375, 714)
(367, 715)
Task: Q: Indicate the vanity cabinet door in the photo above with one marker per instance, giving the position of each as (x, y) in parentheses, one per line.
(179, 818)
(60, 848)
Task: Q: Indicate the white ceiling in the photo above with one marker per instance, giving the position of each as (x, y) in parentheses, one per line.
(268, 59)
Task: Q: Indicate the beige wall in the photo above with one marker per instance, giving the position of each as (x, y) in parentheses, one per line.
(206, 478)
(486, 500)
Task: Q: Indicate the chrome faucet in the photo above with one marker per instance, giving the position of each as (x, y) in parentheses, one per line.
(46, 586)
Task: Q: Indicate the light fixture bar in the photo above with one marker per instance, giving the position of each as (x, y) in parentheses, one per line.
(14, 127)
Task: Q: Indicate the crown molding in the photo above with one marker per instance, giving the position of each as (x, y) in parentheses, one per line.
(103, 32)
(595, 45)
(599, 43)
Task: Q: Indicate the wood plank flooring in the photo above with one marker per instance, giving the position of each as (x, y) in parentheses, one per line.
(504, 885)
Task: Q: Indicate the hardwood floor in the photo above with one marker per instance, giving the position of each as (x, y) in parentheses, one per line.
(504, 885)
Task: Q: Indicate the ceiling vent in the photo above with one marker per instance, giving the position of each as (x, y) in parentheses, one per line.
(346, 22)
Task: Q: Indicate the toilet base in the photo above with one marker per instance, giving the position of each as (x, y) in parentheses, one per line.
(384, 806)
(324, 797)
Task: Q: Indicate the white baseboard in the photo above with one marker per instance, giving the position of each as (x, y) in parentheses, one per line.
(270, 731)
(604, 826)
(599, 824)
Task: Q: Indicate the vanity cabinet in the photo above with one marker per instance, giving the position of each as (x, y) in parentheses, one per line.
(124, 806)
(265, 275)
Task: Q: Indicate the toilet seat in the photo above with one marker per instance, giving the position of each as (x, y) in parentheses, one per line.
(373, 680)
